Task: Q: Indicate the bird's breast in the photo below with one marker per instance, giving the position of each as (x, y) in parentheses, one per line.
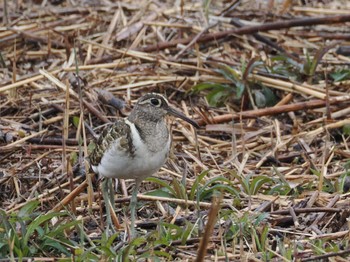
(147, 157)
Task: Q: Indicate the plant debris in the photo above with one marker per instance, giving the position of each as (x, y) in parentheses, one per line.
(266, 177)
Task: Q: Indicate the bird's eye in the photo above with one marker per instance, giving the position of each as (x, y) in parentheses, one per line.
(155, 101)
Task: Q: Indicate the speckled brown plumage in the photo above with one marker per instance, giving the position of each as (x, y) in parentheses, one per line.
(111, 132)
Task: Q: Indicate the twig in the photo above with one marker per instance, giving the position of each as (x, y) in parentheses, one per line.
(88, 105)
(330, 204)
(276, 110)
(253, 29)
(320, 257)
(306, 210)
(20, 141)
(37, 38)
(212, 217)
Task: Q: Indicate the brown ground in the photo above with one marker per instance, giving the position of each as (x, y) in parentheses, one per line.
(287, 160)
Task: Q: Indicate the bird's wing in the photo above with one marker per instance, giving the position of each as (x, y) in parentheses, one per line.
(118, 131)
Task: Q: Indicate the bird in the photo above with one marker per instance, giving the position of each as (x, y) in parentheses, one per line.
(137, 146)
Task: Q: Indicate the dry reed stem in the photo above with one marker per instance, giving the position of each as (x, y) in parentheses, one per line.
(212, 217)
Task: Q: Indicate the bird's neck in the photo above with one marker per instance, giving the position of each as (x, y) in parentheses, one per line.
(153, 132)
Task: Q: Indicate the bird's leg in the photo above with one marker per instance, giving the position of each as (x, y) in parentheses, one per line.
(133, 203)
(111, 192)
(108, 196)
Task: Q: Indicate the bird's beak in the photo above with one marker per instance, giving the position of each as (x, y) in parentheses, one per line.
(178, 114)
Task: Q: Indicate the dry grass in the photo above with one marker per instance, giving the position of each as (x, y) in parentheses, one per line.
(287, 160)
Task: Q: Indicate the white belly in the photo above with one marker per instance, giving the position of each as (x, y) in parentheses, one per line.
(117, 163)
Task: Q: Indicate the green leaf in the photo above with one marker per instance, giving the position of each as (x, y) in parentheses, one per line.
(280, 189)
(347, 166)
(318, 56)
(257, 183)
(91, 146)
(173, 232)
(107, 251)
(240, 87)
(186, 233)
(206, 85)
(4, 221)
(229, 73)
(270, 96)
(19, 252)
(346, 129)
(219, 188)
(131, 248)
(244, 181)
(34, 225)
(159, 193)
(257, 239)
(218, 95)
(162, 183)
(74, 157)
(253, 63)
(260, 217)
(179, 189)
(259, 98)
(340, 75)
(220, 92)
(2, 61)
(315, 172)
(341, 183)
(196, 183)
(223, 184)
(51, 243)
(57, 231)
(75, 121)
(307, 64)
(28, 209)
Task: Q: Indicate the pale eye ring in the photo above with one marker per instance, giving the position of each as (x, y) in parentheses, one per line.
(155, 101)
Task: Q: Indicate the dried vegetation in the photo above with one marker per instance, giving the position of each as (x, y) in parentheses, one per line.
(264, 178)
